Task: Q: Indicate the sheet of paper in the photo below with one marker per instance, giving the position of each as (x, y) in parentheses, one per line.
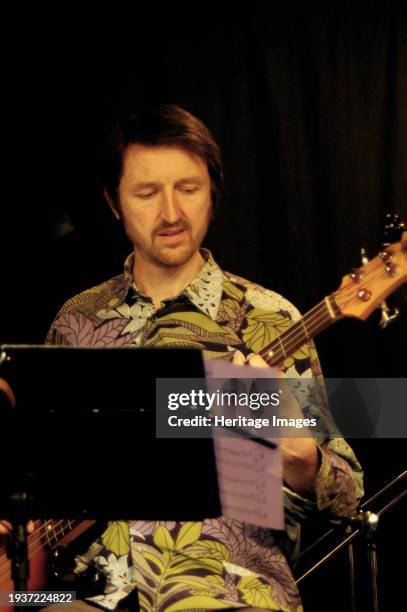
(218, 368)
(250, 482)
(249, 474)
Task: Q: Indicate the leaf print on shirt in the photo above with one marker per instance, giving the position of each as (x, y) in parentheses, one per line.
(258, 594)
(250, 548)
(202, 603)
(141, 529)
(233, 291)
(263, 327)
(232, 313)
(120, 579)
(210, 548)
(136, 315)
(188, 328)
(78, 330)
(120, 575)
(169, 569)
(188, 534)
(116, 537)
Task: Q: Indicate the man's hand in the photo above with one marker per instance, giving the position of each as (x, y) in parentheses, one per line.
(6, 527)
(300, 455)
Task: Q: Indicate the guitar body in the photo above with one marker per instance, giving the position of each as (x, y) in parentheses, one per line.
(38, 557)
(41, 544)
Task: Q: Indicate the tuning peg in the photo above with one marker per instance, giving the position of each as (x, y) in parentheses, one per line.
(364, 256)
(387, 315)
(393, 228)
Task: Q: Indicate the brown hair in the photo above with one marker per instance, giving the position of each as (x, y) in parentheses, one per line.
(166, 124)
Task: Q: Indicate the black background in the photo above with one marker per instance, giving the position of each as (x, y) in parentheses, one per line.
(309, 105)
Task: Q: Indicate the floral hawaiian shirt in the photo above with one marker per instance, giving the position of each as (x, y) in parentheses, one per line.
(215, 563)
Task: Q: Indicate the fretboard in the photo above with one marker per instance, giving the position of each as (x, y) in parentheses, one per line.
(311, 324)
(54, 531)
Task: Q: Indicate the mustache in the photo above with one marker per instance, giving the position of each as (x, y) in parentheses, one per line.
(176, 227)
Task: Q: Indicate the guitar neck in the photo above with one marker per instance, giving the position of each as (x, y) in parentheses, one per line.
(360, 292)
(310, 325)
(53, 531)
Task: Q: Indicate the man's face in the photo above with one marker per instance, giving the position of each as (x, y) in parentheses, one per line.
(165, 203)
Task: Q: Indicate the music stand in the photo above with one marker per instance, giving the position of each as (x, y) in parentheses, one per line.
(82, 437)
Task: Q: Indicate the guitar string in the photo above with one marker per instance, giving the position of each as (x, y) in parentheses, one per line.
(288, 341)
(5, 563)
(341, 293)
(285, 346)
(39, 535)
(41, 532)
(291, 338)
(41, 528)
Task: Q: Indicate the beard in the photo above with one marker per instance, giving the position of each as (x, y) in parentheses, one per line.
(169, 245)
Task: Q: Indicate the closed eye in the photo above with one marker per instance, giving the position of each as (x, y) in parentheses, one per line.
(145, 195)
(189, 189)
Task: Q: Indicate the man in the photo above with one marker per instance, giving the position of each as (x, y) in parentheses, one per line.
(162, 177)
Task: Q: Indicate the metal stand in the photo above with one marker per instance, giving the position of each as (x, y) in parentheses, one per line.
(366, 524)
(351, 558)
(17, 549)
(372, 558)
(369, 524)
(17, 541)
(46, 405)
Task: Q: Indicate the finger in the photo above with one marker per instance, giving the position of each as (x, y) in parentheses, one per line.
(258, 362)
(5, 527)
(238, 358)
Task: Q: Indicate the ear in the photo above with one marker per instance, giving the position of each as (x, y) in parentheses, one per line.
(112, 205)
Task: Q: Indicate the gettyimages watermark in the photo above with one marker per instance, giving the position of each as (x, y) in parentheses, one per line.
(269, 408)
(218, 405)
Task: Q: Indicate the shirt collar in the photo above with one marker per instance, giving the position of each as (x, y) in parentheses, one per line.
(204, 291)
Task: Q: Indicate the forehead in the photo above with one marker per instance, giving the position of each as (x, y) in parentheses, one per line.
(161, 164)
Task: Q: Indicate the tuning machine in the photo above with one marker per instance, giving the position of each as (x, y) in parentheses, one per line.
(387, 315)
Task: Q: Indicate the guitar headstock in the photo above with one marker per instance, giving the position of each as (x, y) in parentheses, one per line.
(366, 287)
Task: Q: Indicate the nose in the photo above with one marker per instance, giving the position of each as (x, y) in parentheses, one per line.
(170, 210)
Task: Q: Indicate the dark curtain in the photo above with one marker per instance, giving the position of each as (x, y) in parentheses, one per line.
(309, 104)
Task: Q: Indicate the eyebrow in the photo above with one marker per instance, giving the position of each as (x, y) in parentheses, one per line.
(151, 184)
(191, 179)
(145, 185)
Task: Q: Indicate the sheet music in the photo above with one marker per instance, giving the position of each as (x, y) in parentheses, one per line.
(249, 474)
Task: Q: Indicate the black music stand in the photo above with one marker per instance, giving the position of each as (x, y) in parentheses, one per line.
(81, 442)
